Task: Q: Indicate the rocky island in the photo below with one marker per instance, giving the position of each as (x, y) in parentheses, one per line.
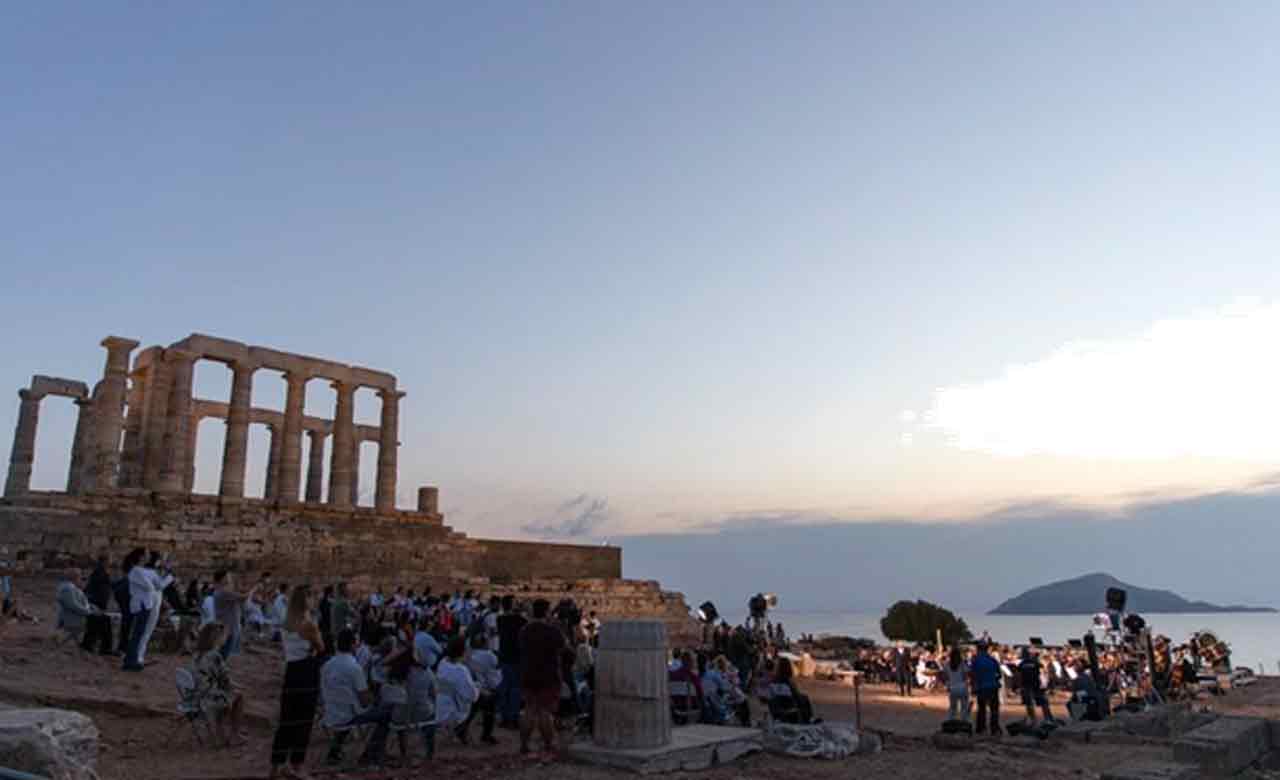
(1085, 595)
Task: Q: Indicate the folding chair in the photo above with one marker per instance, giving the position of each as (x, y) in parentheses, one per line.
(189, 703)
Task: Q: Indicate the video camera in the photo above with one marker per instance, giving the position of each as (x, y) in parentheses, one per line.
(760, 604)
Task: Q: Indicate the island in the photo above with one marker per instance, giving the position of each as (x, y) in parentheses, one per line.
(1086, 595)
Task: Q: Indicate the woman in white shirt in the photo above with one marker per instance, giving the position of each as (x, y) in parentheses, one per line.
(153, 593)
(455, 689)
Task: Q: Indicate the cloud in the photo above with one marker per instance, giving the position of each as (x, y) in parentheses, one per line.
(579, 516)
(1203, 386)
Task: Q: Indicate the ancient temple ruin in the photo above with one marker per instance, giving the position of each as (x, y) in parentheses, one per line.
(150, 402)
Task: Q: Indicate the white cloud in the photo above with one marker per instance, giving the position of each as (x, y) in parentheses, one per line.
(1204, 386)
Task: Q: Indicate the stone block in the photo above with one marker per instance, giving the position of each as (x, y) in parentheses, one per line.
(1151, 770)
(57, 744)
(1225, 746)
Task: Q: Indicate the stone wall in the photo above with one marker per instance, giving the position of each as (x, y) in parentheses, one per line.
(319, 543)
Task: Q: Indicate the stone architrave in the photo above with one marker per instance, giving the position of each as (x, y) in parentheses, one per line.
(290, 478)
(315, 466)
(340, 467)
(235, 450)
(388, 448)
(24, 444)
(174, 473)
(80, 445)
(109, 411)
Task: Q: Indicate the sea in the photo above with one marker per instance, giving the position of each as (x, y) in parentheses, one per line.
(1254, 637)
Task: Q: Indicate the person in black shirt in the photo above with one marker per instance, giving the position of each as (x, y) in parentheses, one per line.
(1032, 691)
(510, 623)
(98, 626)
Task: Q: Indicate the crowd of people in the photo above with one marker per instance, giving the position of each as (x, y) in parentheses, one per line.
(407, 662)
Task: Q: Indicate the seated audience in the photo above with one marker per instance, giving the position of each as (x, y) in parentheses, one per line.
(218, 696)
(348, 703)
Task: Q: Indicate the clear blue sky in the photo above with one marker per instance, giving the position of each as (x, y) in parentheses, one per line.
(673, 263)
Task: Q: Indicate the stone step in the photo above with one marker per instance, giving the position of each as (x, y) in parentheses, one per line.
(1152, 770)
(1224, 747)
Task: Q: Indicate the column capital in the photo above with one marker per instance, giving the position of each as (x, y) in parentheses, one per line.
(83, 402)
(295, 377)
(389, 394)
(346, 388)
(30, 395)
(113, 343)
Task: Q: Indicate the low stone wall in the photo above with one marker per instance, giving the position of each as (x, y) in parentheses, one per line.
(320, 544)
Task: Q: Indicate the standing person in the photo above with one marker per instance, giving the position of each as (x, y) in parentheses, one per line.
(541, 644)
(986, 687)
(120, 591)
(340, 615)
(303, 647)
(279, 610)
(483, 664)
(510, 624)
(902, 669)
(142, 593)
(957, 673)
(99, 592)
(157, 583)
(1032, 688)
(326, 618)
(228, 609)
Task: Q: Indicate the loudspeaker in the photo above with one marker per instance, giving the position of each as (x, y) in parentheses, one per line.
(1116, 598)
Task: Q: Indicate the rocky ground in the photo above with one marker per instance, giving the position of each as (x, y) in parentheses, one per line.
(141, 739)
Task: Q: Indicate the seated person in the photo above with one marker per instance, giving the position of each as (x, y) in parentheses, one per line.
(783, 688)
(74, 609)
(718, 692)
(217, 695)
(421, 689)
(347, 703)
(455, 689)
(687, 672)
(487, 675)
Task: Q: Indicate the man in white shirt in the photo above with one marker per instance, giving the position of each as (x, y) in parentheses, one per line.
(426, 650)
(487, 676)
(347, 700)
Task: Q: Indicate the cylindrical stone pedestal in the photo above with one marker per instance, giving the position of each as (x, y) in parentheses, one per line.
(633, 702)
(429, 500)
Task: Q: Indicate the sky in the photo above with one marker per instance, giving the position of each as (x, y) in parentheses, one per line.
(665, 269)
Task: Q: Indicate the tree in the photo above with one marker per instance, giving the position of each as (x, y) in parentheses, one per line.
(919, 621)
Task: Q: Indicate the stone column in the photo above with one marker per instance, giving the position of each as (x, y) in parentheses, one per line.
(291, 448)
(315, 466)
(273, 463)
(131, 456)
(81, 444)
(388, 449)
(159, 380)
(189, 477)
(340, 479)
(24, 445)
(235, 450)
(355, 472)
(174, 472)
(109, 411)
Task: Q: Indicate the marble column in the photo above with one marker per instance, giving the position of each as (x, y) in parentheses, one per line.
(235, 450)
(81, 445)
(131, 455)
(24, 445)
(315, 466)
(388, 450)
(193, 430)
(355, 472)
(174, 472)
(159, 382)
(273, 463)
(291, 447)
(340, 480)
(109, 411)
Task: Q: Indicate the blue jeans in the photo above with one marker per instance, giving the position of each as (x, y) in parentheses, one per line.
(137, 630)
(509, 693)
(232, 645)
